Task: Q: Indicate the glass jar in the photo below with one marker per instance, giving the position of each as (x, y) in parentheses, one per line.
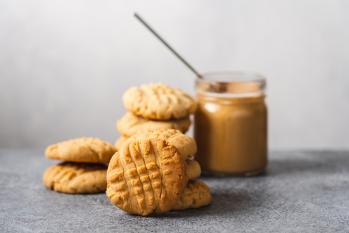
(231, 123)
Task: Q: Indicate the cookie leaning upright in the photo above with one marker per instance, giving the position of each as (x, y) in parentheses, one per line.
(86, 150)
(148, 174)
(158, 102)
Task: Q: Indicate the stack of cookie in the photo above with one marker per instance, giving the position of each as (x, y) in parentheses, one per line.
(154, 106)
(155, 172)
(84, 165)
(152, 171)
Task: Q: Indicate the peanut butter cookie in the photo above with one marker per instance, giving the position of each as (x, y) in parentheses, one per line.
(158, 102)
(193, 169)
(197, 194)
(86, 150)
(131, 124)
(76, 178)
(146, 176)
(185, 145)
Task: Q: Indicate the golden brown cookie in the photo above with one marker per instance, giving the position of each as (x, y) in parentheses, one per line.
(147, 176)
(76, 178)
(119, 142)
(131, 124)
(158, 102)
(193, 169)
(85, 150)
(197, 194)
(185, 145)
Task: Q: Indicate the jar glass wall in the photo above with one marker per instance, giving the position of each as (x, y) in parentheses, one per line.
(231, 123)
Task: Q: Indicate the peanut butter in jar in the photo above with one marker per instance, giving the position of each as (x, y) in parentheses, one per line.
(231, 123)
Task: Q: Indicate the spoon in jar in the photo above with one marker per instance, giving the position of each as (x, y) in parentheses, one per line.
(140, 19)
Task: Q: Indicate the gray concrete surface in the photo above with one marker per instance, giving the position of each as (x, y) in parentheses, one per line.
(301, 192)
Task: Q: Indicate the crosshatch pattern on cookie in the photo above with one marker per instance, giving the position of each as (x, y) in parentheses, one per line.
(159, 102)
(146, 177)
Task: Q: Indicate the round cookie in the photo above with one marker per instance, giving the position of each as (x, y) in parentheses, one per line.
(85, 150)
(131, 124)
(158, 102)
(76, 178)
(147, 176)
(197, 194)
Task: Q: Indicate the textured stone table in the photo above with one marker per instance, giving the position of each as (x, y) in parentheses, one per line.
(301, 192)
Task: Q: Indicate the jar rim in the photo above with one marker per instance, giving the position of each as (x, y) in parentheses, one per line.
(232, 76)
(232, 83)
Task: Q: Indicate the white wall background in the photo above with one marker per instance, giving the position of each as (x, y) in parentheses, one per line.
(64, 64)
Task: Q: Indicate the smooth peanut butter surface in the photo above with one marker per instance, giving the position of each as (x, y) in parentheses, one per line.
(231, 134)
